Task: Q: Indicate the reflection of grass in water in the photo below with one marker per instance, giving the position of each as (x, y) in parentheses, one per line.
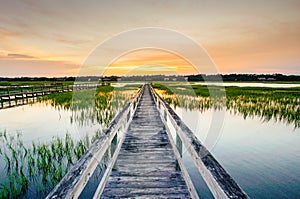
(90, 106)
(41, 165)
(281, 104)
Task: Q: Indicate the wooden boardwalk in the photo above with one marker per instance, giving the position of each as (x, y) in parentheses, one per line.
(146, 164)
(16, 96)
(144, 157)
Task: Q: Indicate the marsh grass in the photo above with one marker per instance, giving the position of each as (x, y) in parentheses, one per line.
(34, 170)
(35, 83)
(92, 106)
(280, 104)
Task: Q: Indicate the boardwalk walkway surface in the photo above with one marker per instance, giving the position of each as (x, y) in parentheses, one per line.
(146, 164)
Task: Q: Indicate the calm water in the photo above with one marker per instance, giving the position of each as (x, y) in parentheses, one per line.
(263, 157)
(41, 122)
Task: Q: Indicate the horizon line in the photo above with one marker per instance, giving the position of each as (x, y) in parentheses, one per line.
(49, 77)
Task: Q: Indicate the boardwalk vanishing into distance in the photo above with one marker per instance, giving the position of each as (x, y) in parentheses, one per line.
(143, 157)
(146, 164)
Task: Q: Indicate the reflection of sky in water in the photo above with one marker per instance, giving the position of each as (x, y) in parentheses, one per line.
(41, 122)
(263, 157)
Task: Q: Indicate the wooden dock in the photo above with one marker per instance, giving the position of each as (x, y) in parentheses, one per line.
(15, 96)
(144, 157)
(146, 164)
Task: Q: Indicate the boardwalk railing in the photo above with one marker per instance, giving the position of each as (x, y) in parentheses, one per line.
(11, 94)
(220, 183)
(109, 142)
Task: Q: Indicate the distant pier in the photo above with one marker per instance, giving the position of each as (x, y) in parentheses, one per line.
(20, 95)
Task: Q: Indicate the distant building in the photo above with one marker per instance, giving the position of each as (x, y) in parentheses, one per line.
(261, 78)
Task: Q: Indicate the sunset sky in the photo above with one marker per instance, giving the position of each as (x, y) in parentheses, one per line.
(54, 37)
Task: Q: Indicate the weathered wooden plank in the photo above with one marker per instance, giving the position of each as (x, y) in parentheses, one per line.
(136, 192)
(173, 175)
(152, 149)
(163, 196)
(134, 157)
(145, 160)
(167, 178)
(146, 184)
(156, 196)
(170, 174)
(145, 167)
(135, 169)
(147, 147)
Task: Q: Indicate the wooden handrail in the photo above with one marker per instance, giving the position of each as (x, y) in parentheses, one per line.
(220, 183)
(75, 180)
(32, 89)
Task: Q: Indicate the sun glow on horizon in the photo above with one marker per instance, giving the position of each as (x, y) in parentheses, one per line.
(150, 62)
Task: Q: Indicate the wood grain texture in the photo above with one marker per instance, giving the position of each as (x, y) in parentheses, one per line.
(146, 164)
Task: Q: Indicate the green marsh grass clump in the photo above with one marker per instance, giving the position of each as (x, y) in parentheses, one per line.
(105, 89)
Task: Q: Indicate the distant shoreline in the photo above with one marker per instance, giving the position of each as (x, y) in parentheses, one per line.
(245, 78)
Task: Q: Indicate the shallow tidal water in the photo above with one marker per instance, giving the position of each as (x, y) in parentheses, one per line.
(262, 156)
(40, 122)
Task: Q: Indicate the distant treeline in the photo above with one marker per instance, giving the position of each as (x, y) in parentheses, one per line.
(24, 79)
(57, 79)
(200, 77)
(246, 77)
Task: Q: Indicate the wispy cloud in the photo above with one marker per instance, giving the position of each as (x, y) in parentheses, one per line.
(73, 41)
(20, 56)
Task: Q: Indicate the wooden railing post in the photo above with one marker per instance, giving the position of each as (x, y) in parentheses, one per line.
(179, 144)
(114, 143)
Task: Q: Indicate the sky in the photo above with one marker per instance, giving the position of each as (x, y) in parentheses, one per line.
(56, 38)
